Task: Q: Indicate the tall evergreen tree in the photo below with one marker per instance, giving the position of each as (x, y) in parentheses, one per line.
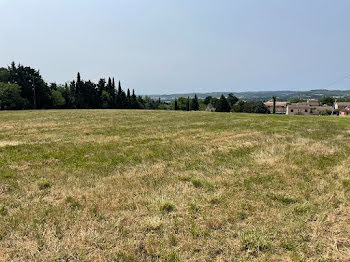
(274, 105)
(134, 104)
(101, 87)
(121, 97)
(128, 99)
(195, 103)
(176, 107)
(188, 104)
(223, 105)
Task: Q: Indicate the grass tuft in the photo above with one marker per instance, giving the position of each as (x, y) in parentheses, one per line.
(254, 242)
(167, 207)
(44, 184)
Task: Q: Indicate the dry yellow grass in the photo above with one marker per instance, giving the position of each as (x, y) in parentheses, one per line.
(113, 185)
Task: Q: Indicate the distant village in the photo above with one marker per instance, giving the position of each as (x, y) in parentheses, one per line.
(309, 107)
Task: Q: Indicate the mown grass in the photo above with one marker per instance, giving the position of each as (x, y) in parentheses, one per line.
(114, 185)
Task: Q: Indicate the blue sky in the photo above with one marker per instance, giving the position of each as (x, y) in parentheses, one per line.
(176, 46)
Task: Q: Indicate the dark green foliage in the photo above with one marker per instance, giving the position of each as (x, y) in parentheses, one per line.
(33, 87)
(10, 97)
(243, 107)
(214, 102)
(296, 100)
(232, 100)
(29, 91)
(188, 104)
(176, 107)
(58, 100)
(44, 184)
(195, 103)
(207, 100)
(274, 104)
(182, 103)
(4, 75)
(260, 108)
(167, 207)
(326, 101)
(223, 105)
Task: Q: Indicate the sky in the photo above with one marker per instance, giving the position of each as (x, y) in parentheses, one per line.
(182, 46)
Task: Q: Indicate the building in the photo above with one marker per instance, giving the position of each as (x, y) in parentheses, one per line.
(341, 105)
(298, 109)
(281, 107)
(311, 107)
(313, 102)
(344, 112)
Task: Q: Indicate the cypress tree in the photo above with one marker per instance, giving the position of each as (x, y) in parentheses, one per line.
(274, 105)
(188, 104)
(176, 107)
(109, 85)
(78, 78)
(195, 103)
(122, 97)
(128, 99)
(134, 103)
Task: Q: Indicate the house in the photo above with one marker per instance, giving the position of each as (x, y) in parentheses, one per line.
(210, 108)
(298, 109)
(281, 107)
(341, 105)
(344, 112)
(313, 102)
(311, 107)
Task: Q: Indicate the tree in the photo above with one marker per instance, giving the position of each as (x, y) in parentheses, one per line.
(223, 105)
(182, 103)
(150, 103)
(207, 100)
(214, 102)
(297, 100)
(121, 101)
(33, 87)
(195, 103)
(274, 104)
(105, 99)
(58, 100)
(37, 94)
(188, 104)
(326, 101)
(260, 108)
(238, 108)
(4, 75)
(248, 107)
(134, 104)
(232, 100)
(176, 107)
(10, 97)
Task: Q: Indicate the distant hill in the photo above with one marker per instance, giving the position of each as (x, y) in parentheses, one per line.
(263, 95)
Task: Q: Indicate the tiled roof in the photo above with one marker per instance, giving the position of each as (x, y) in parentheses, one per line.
(299, 106)
(270, 103)
(343, 103)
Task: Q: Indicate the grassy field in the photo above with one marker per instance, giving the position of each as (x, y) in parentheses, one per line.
(109, 185)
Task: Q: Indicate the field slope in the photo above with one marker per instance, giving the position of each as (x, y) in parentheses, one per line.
(109, 185)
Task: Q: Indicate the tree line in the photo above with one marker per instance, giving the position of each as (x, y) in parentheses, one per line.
(22, 87)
